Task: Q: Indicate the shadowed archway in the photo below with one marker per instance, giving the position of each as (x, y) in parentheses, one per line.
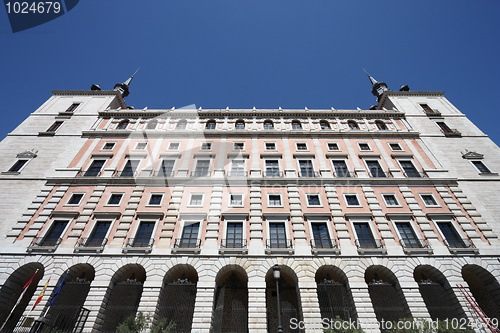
(485, 289)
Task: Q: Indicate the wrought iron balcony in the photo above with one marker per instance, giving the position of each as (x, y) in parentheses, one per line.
(324, 244)
(241, 173)
(126, 174)
(279, 244)
(451, 132)
(414, 174)
(378, 173)
(233, 244)
(272, 174)
(89, 173)
(139, 243)
(309, 174)
(91, 242)
(432, 112)
(44, 244)
(370, 243)
(200, 173)
(415, 244)
(344, 174)
(459, 243)
(187, 243)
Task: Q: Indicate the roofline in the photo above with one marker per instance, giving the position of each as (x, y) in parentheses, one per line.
(406, 93)
(91, 93)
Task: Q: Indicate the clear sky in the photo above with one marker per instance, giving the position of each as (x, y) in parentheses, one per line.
(266, 54)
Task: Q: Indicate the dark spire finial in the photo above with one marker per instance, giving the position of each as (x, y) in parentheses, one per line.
(378, 88)
(123, 88)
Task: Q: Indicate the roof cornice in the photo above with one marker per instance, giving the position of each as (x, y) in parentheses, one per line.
(406, 93)
(121, 101)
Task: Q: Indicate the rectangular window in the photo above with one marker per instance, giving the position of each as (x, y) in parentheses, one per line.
(409, 169)
(340, 168)
(167, 168)
(390, 200)
(321, 237)
(429, 200)
(272, 168)
(301, 146)
(196, 200)
(202, 168)
(55, 126)
(143, 235)
(206, 146)
(351, 200)
(155, 199)
(444, 127)
(395, 147)
(55, 232)
(130, 168)
(450, 234)
(236, 200)
(189, 237)
(270, 145)
(238, 168)
(313, 200)
(173, 145)
(234, 235)
(364, 146)
(364, 234)
(426, 108)
(277, 235)
(408, 238)
(481, 167)
(72, 107)
(18, 165)
(98, 234)
(115, 199)
(238, 146)
(75, 199)
(375, 169)
(95, 168)
(274, 200)
(141, 146)
(306, 168)
(333, 146)
(108, 146)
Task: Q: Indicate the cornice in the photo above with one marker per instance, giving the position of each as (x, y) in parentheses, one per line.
(406, 93)
(91, 93)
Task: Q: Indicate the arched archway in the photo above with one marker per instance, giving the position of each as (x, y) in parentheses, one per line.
(386, 295)
(439, 298)
(334, 295)
(67, 304)
(289, 300)
(230, 313)
(12, 305)
(485, 289)
(122, 297)
(179, 284)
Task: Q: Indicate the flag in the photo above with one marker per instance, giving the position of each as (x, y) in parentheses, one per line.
(39, 299)
(57, 290)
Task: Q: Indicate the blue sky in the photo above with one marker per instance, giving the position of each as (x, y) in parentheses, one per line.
(265, 54)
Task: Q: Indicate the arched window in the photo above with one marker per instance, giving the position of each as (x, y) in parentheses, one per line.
(296, 125)
(352, 125)
(123, 124)
(152, 124)
(485, 288)
(380, 125)
(181, 124)
(268, 125)
(334, 295)
(324, 125)
(210, 125)
(240, 124)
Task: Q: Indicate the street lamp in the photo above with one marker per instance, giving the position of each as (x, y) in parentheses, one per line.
(276, 272)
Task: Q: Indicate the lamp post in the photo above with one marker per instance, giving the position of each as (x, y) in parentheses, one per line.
(276, 272)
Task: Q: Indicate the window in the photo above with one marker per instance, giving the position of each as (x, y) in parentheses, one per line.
(395, 146)
(352, 125)
(239, 125)
(321, 236)
(429, 200)
(173, 145)
(409, 169)
(274, 200)
(18, 166)
(333, 146)
(380, 125)
(53, 235)
(210, 125)
(181, 124)
(167, 168)
(238, 146)
(375, 169)
(141, 146)
(206, 146)
(115, 199)
(95, 168)
(306, 168)
(234, 235)
(481, 167)
(108, 146)
(301, 146)
(196, 200)
(277, 235)
(270, 145)
(390, 200)
(143, 235)
(55, 126)
(296, 125)
(75, 199)
(324, 125)
(238, 168)
(426, 108)
(122, 124)
(98, 235)
(236, 200)
(189, 237)
(364, 146)
(351, 199)
(340, 168)
(313, 200)
(408, 238)
(155, 199)
(130, 168)
(72, 107)
(202, 168)
(152, 124)
(272, 168)
(450, 235)
(364, 234)
(444, 128)
(268, 125)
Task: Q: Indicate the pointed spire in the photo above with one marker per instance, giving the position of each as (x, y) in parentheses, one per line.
(123, 88)
(378, 88)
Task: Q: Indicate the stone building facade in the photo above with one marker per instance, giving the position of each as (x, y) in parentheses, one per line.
(371, 215)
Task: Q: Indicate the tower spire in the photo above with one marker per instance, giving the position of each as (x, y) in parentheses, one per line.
(123, 88)
(378, 88)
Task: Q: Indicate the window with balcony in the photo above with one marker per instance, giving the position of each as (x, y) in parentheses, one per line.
(272, 168)
(143, 236)
(296, 125)
(238, 146)
(196, 200)
(237, 168)
(274, 200)
(277, 235)
(409, 169)
(340, 168)
(155, 199)
(130, 168)
(313, 200)
(450, 235)
(210, 125)
(234, 235)
(236, 200)
(94, 169)
(306, 168)
(481, 167)
(320, 235)
(301, 146)
(167, 168)
(54, 234)
(375, 169)
(447, 130)
(98, 235)
(333, 146)
(122, 125)
(181, 125)
(390, 200)
(408, 237)
(189, 237)
(324, 125)
(75, 199)
(364, 235)
(352, 125)
(202, 168)
(115, 199)
(351, 200)
(268, 125)
(239, 125)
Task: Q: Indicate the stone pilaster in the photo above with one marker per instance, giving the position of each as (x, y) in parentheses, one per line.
(213, 221)
(256, 245)
(297, 220)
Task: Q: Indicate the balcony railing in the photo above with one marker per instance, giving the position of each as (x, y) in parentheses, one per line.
(44, 244)
(237, 174)
(415, 244)
(460, 244)
(90, 242)
(344, 174)
(139, 243)
(126, 174)
(309, 174)
(324, 244)
(451, 132)
(378, 173)
(200, 173)
(272, 174)
(370, 243)
(414, 174)
(279, 244)
(233, 244)
(187, 243)
(89, 173)
(432, 112)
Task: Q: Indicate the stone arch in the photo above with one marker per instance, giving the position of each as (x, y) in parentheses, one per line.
(10, 310)
(67, 304)
(268, 124)
(122, 297)
(380, 125)
(485, 289)
(239, 124)
(179, 284)
(386, 294)
(352, 124)
(324, 124)
(230, 312)
(210, 124)
(289, 296)
(439, 298)
(334, 294)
